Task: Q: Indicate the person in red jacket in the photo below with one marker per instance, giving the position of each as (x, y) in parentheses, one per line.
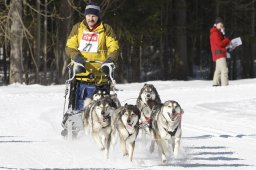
(219, 42)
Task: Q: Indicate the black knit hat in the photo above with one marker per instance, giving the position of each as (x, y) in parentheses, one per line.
(92, 8)
(218, 20)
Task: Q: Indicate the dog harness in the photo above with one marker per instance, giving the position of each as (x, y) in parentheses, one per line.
(166, 125)
(149, 119)
(172, 133)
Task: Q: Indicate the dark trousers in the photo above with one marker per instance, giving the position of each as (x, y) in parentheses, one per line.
(79, 91)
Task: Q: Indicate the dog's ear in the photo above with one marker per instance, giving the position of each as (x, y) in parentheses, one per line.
(177, 104)
(126, 107)
(181, 110)
(167, 102)
(123, 109)
(112, 103)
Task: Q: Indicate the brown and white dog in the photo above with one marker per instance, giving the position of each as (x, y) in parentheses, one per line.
(99, 122)
(167, 128)
(98, 94)
(126, 124)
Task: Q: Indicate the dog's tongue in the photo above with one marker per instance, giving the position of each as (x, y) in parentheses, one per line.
(129, 126)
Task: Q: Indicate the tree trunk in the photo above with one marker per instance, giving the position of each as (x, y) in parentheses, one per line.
(16, 42)
(45, 43)
(163, 43)
(181, 41)
(141, 57)
(217, 7)
(253, 46)
(64, 27)
(38, 42)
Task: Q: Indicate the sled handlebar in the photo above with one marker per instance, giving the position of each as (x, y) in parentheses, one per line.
(111, 67)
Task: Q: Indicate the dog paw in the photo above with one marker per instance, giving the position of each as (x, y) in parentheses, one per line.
(176, 153)
(164, 159)
(102, 149)
(125, 154)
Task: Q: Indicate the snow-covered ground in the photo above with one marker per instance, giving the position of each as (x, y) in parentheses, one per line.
(219, 129)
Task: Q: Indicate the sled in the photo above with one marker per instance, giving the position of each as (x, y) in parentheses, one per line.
(72, 120)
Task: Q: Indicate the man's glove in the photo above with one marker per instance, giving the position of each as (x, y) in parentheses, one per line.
(229, 50)
(80, 59)
(105, 68)
(79, 64)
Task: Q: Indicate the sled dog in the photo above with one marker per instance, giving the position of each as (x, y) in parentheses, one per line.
(148, 102)
(167, 128)
(98, 94)
(99, 122)
(88, 103)
(126, 123)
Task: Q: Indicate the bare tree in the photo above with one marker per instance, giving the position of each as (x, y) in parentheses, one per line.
(45, 43)
(181, 41)
(63, 28)
(38, 41)
(16, 38)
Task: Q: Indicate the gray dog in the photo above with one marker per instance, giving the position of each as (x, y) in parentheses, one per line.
(149, 103)
(126, 124)
(167, 128)
(98, 121)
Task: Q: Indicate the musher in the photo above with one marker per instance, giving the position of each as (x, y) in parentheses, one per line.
(90, 40)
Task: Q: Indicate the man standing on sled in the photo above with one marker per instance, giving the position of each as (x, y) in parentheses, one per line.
(90, 45)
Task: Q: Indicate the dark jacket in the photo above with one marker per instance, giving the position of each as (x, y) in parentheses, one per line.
(218, 44)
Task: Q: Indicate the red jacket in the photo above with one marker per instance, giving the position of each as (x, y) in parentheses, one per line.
(218, 44)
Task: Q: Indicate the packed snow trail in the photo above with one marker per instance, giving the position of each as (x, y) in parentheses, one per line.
(218, 126)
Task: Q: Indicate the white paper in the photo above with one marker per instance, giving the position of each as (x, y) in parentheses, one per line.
(235, 42)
